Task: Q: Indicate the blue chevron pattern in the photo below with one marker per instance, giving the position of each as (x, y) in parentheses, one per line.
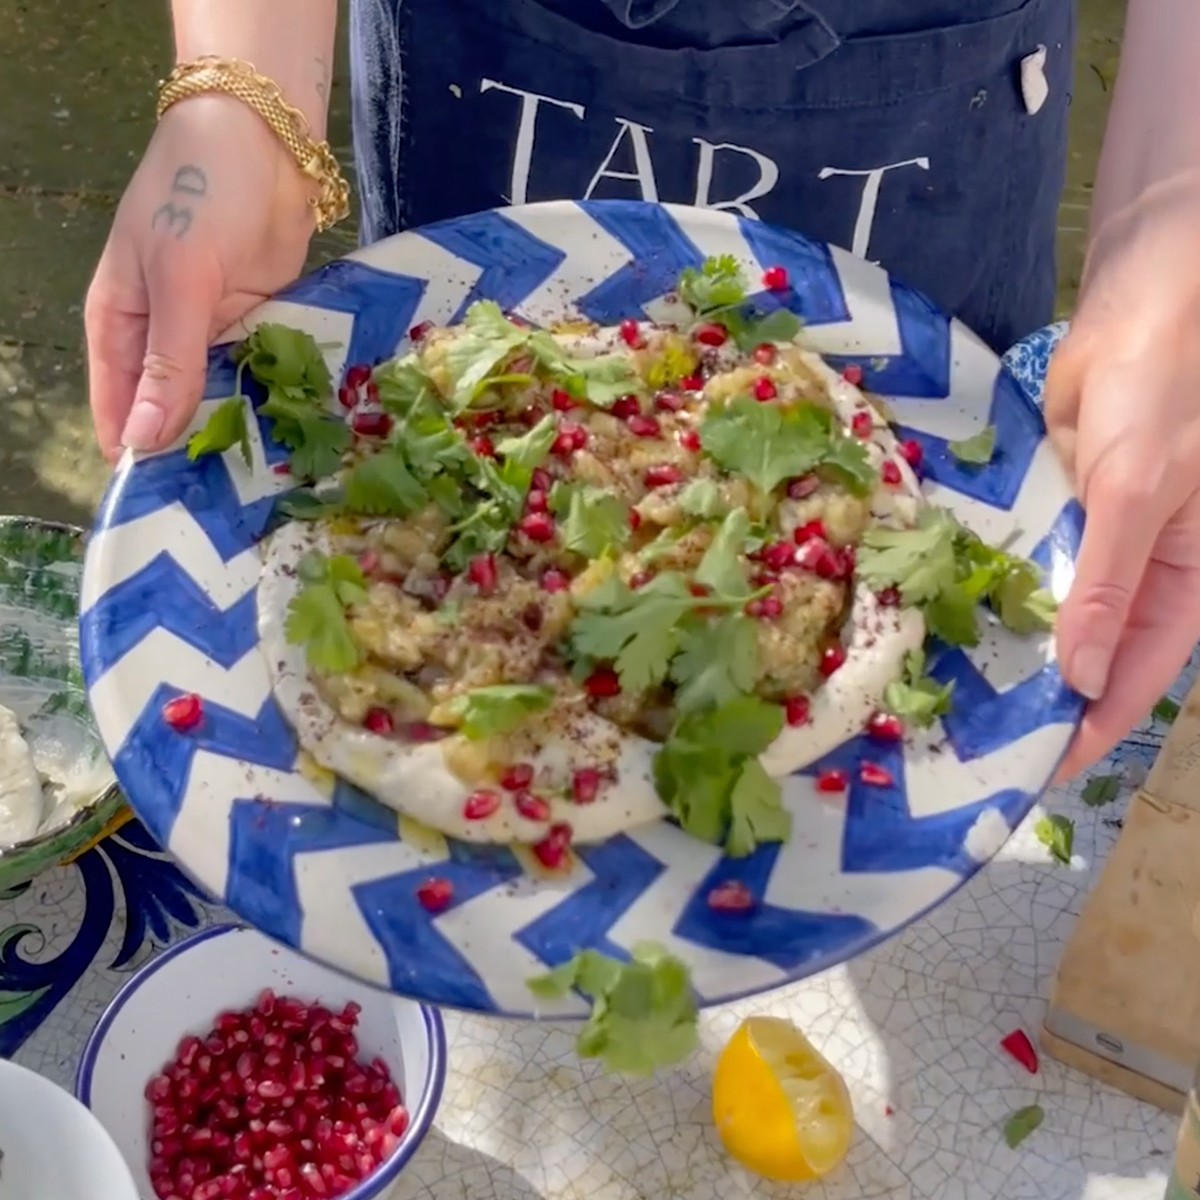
(156, 630)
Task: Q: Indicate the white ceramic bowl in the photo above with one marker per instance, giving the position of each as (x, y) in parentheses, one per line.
(53, 1147)
(226, 968)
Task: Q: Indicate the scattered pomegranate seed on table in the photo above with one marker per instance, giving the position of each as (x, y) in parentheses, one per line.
(731, 896)
(435, 894)
(274, 1102)
(853, 374)
(875, 775)
(775, 279)
(832, 780)
(1019, 1047)
(884, 727)
(184, 712)
(481, 804)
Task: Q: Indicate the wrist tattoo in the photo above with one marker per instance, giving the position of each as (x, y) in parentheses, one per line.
(176, 215)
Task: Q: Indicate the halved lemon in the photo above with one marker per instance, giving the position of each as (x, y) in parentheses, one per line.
(779, 1107)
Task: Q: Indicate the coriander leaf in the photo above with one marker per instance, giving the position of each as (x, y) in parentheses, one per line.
(1057, 834)
(765, 443)
(484, 530)
(282, 358)
(303, 504)
(702, 498)
(916, 698)
(595, 520)
(719, 283)
(746, 725)
(757, 814)
(529, 451)
(721, 568)
(316, 616)
(1101, 790)
(600, 379)
(1166, 710)
(383, 486)
(1022, 1123)
(778, 327)
(405, 388)
(487, 711)
(1021, 603)
(950, 617)
(486, 340)
(976, 450)
(316, 438)
(432, 446)
(644, 1011)
(919, 561)
(224, 429)
(671, 359)
(846, 461)
(716, 662)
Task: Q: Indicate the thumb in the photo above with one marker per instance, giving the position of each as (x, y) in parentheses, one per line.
(1122, 527)
(183, 296)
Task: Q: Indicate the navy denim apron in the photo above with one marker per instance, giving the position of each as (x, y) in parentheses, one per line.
(899, 129)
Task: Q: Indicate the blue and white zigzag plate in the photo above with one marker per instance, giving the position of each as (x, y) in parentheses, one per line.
(169, 607)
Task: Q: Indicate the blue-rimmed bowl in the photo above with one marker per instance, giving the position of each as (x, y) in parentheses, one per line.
(226, 968)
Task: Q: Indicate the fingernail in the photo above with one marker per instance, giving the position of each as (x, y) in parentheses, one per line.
(145, 424)
(1089, 671)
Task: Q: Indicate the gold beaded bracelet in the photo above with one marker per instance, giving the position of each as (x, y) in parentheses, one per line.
(233, 77)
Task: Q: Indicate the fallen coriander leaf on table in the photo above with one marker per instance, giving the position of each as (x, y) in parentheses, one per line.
(1166, 710)
(1057, 834)
(1022, 1123)
(1101, 790)
(977, 450)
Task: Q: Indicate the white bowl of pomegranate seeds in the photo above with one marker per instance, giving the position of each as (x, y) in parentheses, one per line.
(231, 1068)
(51, 1147)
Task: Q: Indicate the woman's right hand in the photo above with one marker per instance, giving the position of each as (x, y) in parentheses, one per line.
(215, 220)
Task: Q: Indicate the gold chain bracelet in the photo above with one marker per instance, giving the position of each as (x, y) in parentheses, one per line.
(232, 77)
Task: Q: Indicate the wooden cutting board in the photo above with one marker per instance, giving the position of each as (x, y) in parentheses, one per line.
(1125, 1006)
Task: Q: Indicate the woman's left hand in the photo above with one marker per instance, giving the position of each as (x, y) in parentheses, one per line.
(1123, 410)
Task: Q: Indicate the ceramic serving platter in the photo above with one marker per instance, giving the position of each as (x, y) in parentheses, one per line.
(169, 608)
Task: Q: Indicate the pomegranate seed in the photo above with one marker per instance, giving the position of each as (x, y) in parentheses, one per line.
(434, 896)
(853, 374)
(662, 475)
(281, 469)
(639, 579)
(778, 555)
(689, 439)
(669, 402)
(631, 334)
(643, 426)
(808, 531)
(692, 383)
(184, 712)
(862, 425)
(537, 500)
(542, 480)
(347, 396)
(561, 401)
(889, 598)
(418, 332)
(483, 574)
(371, 424)
(551, 851)
(712, 334)
(766, 608)
(802, 487)
(585, 785)
(832, 658)
(822, 559)
(765, 354)
(796, 710)
(379, 720)
(531, 807)
(635, 519)
(554, 580)
(731, 896)
(357, 375)
(890, 473)
(884, 727)
(517, 777)
(875, 775)
(765, 389)
(570, 438)
(537, 527)
(626, 407)
(775, 279)
(832, 780)
(602, 683)
(368, 562)
(483, 446)
(480, 805)
(911, 451)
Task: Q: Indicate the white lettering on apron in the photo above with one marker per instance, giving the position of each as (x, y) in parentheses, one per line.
(768, 177)
(872, 183)
(526, 133)
(643, 172)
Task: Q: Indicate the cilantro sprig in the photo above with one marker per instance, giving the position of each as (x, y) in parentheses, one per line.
(316, 617)
(717, 291)
(767, 444)
(594, 521)
(945, 570)
(915, 697)
(644, 1012)
(489, 711)
(976, 450)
